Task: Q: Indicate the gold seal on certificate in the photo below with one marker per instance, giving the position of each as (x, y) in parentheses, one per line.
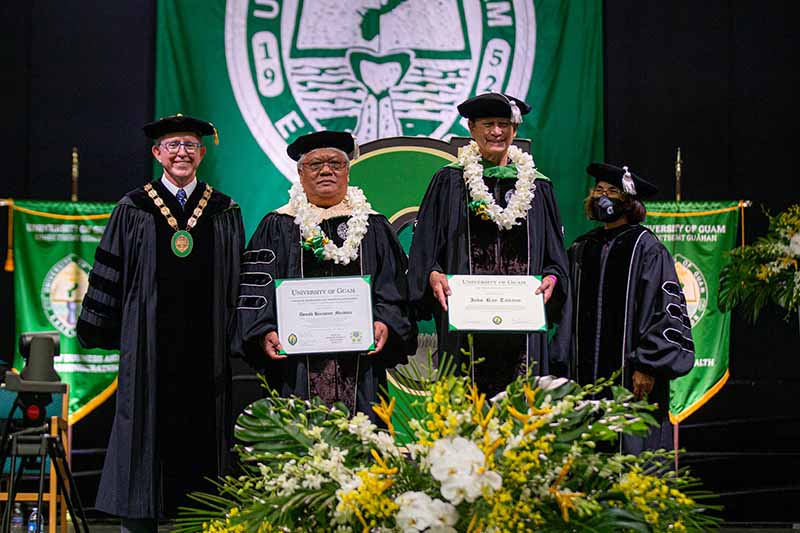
(496, 303)
(325, 315)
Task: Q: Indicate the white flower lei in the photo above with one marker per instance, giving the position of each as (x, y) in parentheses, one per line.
(469, 157)
(306, 215)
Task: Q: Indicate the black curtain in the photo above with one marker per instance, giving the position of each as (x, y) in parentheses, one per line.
(718, 78)
(74, 74)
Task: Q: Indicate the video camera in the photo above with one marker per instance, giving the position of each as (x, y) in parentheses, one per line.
(37, 439)
(38, 381)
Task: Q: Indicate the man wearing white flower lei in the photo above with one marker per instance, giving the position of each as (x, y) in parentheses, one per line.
(491, 213)
(326, 229)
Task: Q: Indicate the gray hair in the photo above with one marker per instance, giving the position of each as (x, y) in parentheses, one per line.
(303, 157)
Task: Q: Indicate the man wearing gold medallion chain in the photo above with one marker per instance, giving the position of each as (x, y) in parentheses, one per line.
(161, 290)
(490, 213)
(327, 229)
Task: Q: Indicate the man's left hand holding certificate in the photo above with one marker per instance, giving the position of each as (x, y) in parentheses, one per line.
(324, 315)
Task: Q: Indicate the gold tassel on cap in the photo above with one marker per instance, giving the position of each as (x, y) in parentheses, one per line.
(9, 266)
(216, 134)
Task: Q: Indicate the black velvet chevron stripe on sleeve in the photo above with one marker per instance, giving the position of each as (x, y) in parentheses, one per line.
(110, 287)
(107, 258)
(108, 313)
(100, 319)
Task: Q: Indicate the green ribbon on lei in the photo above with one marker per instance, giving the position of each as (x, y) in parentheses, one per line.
(316, 245)
(478, 207)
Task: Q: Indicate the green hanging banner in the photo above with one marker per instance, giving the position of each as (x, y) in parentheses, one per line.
(53, 251)
(267, 71)
(698, 235)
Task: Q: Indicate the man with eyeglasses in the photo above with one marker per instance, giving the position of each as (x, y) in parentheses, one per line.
(327, 229)
(630, 309)
(161, 290)
(490, 213)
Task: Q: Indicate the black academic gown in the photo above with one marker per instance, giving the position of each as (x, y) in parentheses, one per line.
(449, 238)
(274, 252)
(167, 316)
(630, 313)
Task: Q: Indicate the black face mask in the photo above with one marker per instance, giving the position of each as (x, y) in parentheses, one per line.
(607, 209)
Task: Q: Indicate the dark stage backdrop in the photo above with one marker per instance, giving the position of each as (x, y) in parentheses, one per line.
(716, 78)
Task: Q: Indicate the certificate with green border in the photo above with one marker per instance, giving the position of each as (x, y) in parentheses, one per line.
(496, 304)
(325, 315)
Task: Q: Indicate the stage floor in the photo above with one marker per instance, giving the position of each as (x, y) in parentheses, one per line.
(107, 526)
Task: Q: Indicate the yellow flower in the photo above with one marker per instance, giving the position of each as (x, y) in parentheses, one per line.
(382, 467)
(564, 499)
(477, 400)
(522, 460)
(647, 492)
(384, 412)
(522, 417)
(224, 526)
(369, 502)
(509, 513)
(446, 401)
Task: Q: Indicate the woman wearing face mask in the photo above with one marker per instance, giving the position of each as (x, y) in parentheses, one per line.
(630, 312)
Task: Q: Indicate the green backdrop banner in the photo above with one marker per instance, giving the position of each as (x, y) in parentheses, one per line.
(698, 235)
(54, 245)
(267, 71)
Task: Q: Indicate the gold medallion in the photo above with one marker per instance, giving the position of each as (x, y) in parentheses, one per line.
(182, 243)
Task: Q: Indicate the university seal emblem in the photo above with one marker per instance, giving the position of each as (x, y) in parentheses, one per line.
(377, 68)
(62, 292)
(694, 286)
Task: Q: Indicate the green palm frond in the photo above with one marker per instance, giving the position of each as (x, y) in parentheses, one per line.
(268, 428)
(414, 379)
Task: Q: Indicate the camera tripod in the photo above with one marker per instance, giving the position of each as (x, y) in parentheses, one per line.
(33, 446)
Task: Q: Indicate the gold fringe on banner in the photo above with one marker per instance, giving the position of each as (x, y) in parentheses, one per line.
(742, 205)
(9, 266)
(9, 202)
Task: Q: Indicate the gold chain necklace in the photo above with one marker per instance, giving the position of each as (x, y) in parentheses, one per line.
(182, 242)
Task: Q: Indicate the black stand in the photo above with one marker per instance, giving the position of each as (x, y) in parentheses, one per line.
(37, 444)
(34, 445)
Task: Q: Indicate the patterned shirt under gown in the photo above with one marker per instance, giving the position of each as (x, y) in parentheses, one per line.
(498, 252)
(332, 377)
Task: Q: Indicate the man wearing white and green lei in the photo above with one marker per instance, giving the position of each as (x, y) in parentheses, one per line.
(327, 229)
(491, 213)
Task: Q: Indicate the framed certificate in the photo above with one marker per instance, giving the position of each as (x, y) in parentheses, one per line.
(325, 315)
(496, 303)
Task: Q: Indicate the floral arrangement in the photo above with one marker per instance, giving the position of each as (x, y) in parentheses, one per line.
(315, 240)
(527, 461)
(483, 203)
(766, 270)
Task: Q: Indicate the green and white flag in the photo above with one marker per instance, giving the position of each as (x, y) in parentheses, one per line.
(266, 71)
(54, 245)
(698, 235)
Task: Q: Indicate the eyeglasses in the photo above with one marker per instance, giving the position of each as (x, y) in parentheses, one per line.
(316, 166)
(491, 124)
(611, 191)
(173, 146)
